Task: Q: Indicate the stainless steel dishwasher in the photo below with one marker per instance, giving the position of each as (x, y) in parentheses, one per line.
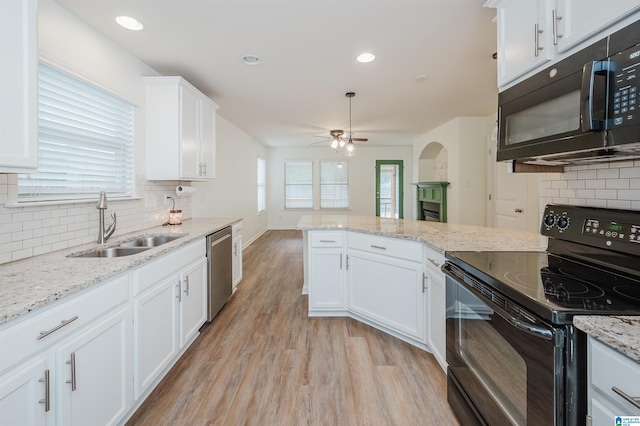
(219, 271)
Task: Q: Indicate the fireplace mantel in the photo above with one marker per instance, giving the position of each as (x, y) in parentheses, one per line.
(432, 197)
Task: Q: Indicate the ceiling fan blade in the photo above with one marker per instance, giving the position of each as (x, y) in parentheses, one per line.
(321, 136)
(359, 139)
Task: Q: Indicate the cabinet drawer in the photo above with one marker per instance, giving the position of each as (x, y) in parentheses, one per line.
(155, 271)
(24, 339)
(327, 239)
(434, 259)
(621, 372)
(403, 249)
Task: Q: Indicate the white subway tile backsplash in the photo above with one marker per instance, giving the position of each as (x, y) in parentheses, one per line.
(608, 174)
(605, 194)
(629, 194)
(33, 230)
(619, 204)
(583, 174)
(617, 183)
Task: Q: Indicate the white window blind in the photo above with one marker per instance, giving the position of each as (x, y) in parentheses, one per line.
(86, 138)
(298, 176)
(262, 185)
(334, 185)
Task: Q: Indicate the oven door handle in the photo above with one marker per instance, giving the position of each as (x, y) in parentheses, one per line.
(543, 333)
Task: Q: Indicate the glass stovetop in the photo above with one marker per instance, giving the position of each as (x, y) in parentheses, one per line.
(554, 287)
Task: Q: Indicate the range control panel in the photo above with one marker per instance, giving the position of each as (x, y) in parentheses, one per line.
(606, 228)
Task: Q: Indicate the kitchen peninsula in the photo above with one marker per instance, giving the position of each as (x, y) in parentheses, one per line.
(386, 272)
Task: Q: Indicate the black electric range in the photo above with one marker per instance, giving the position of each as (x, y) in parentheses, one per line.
(514, 310)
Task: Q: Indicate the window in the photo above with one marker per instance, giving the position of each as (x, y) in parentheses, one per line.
(334, 185)
(298, 184)
(262, 187)
(86, 138)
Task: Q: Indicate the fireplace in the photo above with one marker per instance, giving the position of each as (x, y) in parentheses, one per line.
(432, 201)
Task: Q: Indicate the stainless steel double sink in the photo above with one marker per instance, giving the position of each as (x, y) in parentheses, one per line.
(127, 248)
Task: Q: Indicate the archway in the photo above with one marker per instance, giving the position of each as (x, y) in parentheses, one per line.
(433, 163)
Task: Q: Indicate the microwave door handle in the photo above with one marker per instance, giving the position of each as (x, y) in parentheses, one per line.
(586, 97)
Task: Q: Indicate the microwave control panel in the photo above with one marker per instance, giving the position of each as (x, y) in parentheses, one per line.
(626, 70)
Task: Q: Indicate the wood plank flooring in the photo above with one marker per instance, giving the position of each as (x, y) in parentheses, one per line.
(262, 361)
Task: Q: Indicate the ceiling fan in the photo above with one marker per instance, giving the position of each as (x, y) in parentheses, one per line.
(341, 139)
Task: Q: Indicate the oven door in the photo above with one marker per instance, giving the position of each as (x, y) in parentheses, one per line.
(507, 367)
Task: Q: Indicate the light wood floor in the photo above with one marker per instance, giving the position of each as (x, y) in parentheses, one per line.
(264, 362)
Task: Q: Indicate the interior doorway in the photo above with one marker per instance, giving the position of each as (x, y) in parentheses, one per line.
(389, 184)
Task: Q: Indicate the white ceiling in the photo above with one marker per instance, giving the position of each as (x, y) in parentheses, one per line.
(308, 50)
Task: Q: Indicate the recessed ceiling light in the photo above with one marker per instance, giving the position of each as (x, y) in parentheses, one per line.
(420, 77)
(251, 60)
(130, 23)
(366, 57)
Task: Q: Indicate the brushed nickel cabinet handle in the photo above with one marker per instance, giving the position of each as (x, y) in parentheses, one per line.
(179, 288)
(186, 282)
(378, 247)
(555, 19)
(72, 362)
(537, 46)
(433, 262)
(630, 399)
(327, 241)
(47, 391)
(424, 282)
(44, 334)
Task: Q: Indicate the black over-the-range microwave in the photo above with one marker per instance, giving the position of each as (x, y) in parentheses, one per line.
(584, 108)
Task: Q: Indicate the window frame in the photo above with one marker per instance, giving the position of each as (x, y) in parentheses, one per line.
(311, 184)
(345, 165)
(262, 184)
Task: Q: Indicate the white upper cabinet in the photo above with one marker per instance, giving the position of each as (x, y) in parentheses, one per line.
(533, 34)
(19, 86)
(180, 123)
(523, 37)
(577, 20)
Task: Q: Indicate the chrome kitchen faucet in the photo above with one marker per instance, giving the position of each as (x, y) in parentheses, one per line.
(103, 235)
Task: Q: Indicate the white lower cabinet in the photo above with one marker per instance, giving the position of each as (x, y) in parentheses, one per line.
(436, 306)
(169, 308)
(155, 339)
(77, 371)
(236, 260)
(23, 394)
(388, 291)
(94, 373)
(610, 376)
(193, 300)
(327, 267)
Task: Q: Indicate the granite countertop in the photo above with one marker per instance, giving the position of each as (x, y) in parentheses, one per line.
(439, 236)
(37, 281)
(621, 333)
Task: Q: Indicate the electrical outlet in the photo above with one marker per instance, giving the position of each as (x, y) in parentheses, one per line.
(167, 199)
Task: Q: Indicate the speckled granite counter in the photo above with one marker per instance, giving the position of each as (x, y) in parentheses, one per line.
(440, 236)
(621, 333)
(31, 283)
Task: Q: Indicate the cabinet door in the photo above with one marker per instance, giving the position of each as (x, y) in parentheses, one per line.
(388, 291)
(193, 305)
(94, 373)
(189, 132)
(207, 140)
(155, 332)
(19, 86)
(23, 393)
(581, 19)
(237, 260)
(326, 279)
(436, 300)
(517, 37)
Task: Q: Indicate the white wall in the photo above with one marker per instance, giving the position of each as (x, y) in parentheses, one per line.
(234, 192)
(362, 180)
(464, 140)
(67, 42)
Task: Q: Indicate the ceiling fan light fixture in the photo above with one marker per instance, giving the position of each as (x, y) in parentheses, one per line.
(366, 57)
(129, 23)
(342, 143)
(350, 147)
(334, 143)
